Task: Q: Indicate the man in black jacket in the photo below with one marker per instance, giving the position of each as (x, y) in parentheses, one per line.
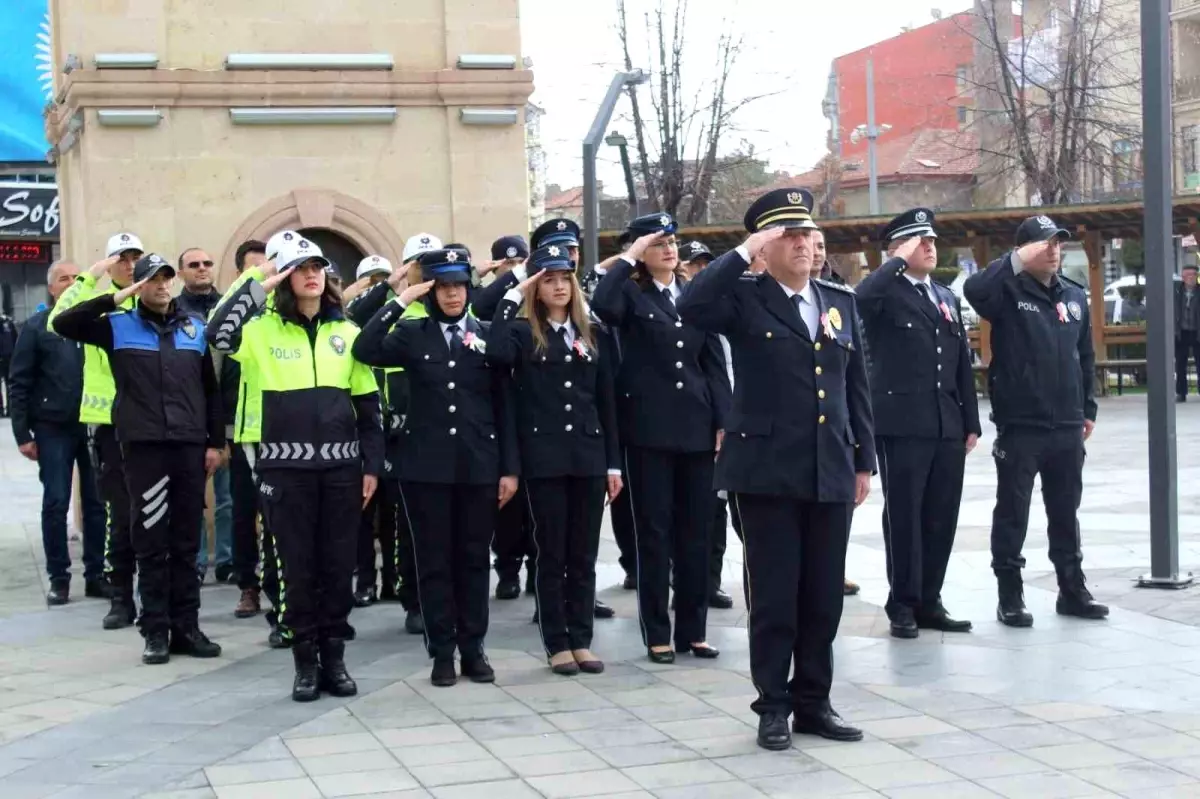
(1187, 329)
(926, 418)
(167, 416)
(1042, 381)
(8, 341)
(199, 297)
(46, 383)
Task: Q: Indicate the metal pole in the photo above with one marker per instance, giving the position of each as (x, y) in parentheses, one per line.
(872, 135)
(630, 189)
(1160, 305)
(591, 198)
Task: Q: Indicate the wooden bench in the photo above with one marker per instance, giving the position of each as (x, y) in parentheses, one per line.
(1120, 367)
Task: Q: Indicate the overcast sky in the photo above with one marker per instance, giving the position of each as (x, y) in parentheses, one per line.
(790, 46)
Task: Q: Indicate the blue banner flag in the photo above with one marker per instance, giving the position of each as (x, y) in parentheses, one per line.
(26, 79)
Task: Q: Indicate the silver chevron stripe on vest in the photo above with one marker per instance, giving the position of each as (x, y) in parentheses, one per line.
(237, 315)
(308, 452)
(154, 501)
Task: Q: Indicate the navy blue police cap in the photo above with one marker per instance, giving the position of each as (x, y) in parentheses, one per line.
(150, 265)
(786, 208)
(551, 258)
(1040, 228)
(913, 222)
(555, 231)
(509, 247)
(446, 265)
(693, 250)
(651, 223)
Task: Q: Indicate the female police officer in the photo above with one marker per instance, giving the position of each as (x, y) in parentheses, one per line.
(458, 447)
(567, 431)
(672, 391)
(321, 447)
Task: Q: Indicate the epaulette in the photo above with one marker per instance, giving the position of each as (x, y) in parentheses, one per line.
(751, 277)
(829, 284)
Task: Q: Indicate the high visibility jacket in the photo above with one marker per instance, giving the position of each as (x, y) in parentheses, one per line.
(319, 406)
(99, 388)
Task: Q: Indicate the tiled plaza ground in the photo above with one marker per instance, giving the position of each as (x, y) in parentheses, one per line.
(1067, 709)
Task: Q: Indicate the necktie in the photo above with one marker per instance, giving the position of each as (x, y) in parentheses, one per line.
(798, 301)
(923, 290)
(455, 337)
(670, 297)
(566, 336)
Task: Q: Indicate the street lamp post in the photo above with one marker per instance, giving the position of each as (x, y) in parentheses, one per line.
(615, 139)
(1160, 305)
(872, 133)
(591, 144)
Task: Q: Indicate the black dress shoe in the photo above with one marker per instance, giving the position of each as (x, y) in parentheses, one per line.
(1077, 601)
(720, 600)
(939, 619)
(773, 732)
(661, 658)
(120, 614)
(306, 686)
(826, 724)
(158, 650)
(508, 589)
(603, 611)
(477, 669)
(59, 593)
(413, 623)
(97, 588)
(704, 651)
(903, 624)
(190, 641)
(364, 599)
(277, 640)
(630, 583)
(334, 679)
(1011, 609)
(443, 675)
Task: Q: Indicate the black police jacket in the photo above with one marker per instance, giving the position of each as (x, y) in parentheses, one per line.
(673, 391)
(393, 383)
(566, 409)
(460, 427)
(45, 379)
(166, 386)
(1042, 372)
(801, 423)
(485, 301)
(920, 363)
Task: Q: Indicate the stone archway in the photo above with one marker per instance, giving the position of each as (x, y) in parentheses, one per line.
(329, 209)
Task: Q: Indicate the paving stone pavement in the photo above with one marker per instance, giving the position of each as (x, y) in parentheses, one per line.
(1066, 709)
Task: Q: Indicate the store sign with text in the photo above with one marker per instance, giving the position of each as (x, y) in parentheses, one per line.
(28, 210)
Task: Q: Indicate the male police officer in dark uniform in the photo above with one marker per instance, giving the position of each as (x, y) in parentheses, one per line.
(1041, 381)
(926, 418)
(798, 453)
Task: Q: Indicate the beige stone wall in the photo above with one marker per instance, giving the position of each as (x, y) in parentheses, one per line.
(198, 180)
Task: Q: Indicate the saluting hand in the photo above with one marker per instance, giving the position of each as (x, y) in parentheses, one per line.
(755, 243)
(398, 279)
(639, 246)
(1032, 252)
(414, 293)
(487, 266)
(127, 292)
(529, 281)
(101, 268)
(274, 278)
(370, 484)
(862, 487)
(508, 488)
(907, 248)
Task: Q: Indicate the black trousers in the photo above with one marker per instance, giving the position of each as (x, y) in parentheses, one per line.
(4, 387)
(110, 482)
(621, 518)
(716, 557)
(922, 491)
(1057, 455)
(378, 521)
(513, 539)
(796, 564)
(671, 495)
(263, 543)
(566, 514)
(244, 493)
(1187, 345)
(451, 527)
(314, 516)
(166, 483)
(403, 566)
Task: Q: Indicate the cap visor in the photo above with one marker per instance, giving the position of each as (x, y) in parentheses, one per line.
(794, 224)
(156, 269)
(379, 270)
(320, 259)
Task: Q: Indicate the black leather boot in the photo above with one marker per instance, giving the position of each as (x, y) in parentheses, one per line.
(305, 688)
(120, 614)
(335, 680)
(1074, 598)
(1011, 610)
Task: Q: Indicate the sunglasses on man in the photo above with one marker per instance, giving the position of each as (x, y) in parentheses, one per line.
(198, 265)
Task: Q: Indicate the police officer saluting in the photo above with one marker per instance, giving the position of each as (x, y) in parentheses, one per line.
(1041, 381)
(168, 421)
(926, 418)
(798, 453)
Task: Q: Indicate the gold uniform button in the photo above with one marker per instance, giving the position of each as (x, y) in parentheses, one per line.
(818, 370)
(821, 394)
(820, 420)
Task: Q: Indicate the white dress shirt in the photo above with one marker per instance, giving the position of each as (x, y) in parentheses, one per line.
(808, 307)
(916, 281)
